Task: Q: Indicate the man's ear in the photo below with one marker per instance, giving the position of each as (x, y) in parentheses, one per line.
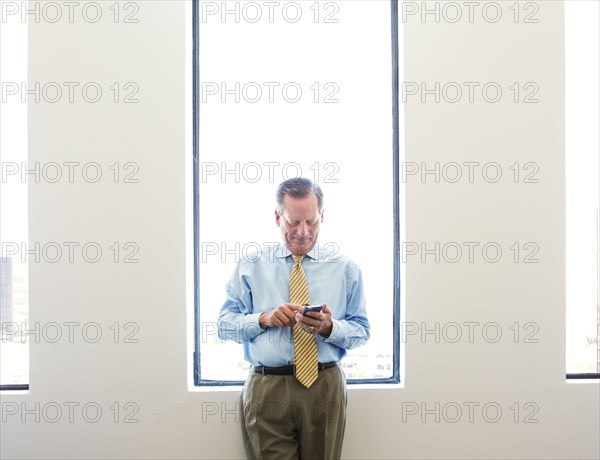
(322, 215)
(277, 218)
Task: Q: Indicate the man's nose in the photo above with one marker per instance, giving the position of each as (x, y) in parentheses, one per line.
(303, 229)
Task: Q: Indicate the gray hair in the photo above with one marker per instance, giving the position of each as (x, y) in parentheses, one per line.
(298, 187)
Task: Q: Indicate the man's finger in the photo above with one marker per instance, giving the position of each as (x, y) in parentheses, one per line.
(282, 318)
(314, 315)
(288, 313)
(275, 320)
(307, 320)
(296, 308)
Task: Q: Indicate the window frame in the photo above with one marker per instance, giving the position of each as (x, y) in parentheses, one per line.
(395, 378)
(576, 375)
(21, 386)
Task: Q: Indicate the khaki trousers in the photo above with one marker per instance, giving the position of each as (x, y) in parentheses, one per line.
(283, 420)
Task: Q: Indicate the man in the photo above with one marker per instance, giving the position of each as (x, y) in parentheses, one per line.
(293, 404)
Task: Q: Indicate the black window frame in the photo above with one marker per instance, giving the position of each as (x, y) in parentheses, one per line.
(395, 378)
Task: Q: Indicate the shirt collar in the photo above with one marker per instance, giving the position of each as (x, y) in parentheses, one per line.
(283, 251)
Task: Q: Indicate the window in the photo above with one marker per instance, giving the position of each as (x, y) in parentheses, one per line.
(296, 89)
(14, 308)
(582, 188)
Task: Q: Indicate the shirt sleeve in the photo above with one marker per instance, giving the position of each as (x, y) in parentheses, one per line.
(237, 321)
(354, 330)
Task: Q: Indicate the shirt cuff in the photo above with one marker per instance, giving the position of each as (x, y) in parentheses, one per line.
(252, 327)
(337, 333)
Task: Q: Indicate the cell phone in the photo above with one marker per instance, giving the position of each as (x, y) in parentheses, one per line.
(316, 308)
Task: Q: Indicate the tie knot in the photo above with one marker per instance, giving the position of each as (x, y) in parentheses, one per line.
(298, 259)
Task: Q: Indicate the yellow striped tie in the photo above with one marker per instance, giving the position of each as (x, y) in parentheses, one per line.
(305, 344)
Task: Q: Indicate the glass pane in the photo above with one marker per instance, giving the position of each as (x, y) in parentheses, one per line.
(302, 89)
(583, 189)
(14, 303)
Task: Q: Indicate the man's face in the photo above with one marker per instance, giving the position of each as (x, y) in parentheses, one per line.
(299, 223)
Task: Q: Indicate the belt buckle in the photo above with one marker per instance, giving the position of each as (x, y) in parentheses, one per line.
(294, 369)
(263, 370)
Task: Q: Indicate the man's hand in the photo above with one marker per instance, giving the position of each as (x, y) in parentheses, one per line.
(281, 317)
(315, 322)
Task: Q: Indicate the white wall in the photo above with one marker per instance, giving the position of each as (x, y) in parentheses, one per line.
(153, 373)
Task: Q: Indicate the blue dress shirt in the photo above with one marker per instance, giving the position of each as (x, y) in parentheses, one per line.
(260, 283)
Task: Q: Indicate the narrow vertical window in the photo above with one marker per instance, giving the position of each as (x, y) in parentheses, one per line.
(286, 90)
(582, 188)
(14, 285)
